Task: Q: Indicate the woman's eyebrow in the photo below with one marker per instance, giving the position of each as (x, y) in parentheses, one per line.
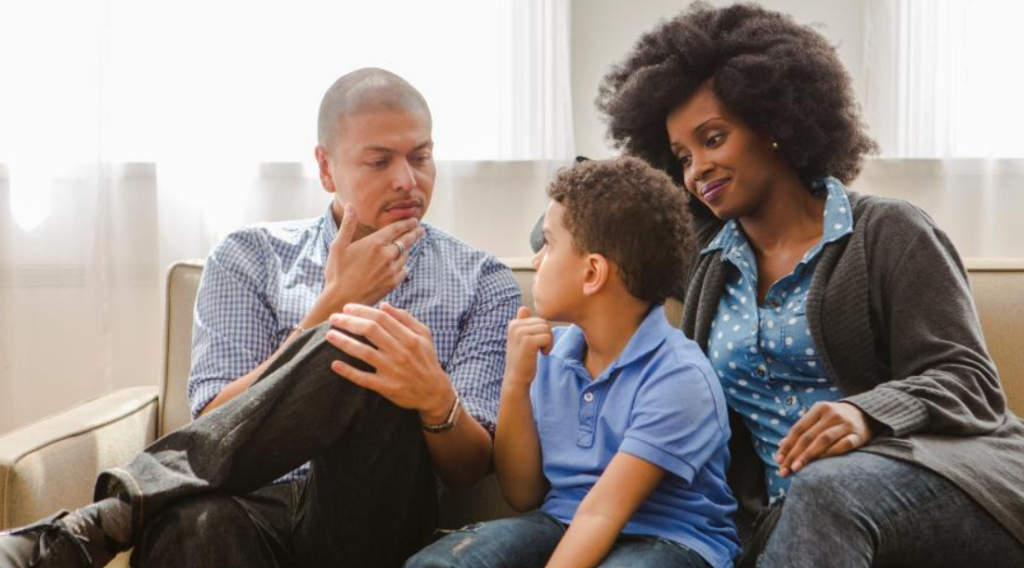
(703, 126)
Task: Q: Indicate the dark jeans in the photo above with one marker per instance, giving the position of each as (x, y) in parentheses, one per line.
(529, 540)
(370, 498)
(863, 509)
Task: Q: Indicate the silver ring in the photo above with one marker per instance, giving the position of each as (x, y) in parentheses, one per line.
(400, 247)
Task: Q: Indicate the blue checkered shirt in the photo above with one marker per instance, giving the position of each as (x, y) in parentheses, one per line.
(262, 280)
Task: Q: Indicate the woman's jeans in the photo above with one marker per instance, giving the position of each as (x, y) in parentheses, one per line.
(529, 540)
(199, 495)
(864, 509)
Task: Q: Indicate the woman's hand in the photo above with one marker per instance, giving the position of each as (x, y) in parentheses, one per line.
(829, 429)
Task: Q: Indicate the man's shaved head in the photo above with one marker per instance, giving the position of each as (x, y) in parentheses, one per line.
(365, 90)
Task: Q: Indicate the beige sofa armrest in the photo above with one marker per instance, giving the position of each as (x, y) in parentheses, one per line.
(52, 464)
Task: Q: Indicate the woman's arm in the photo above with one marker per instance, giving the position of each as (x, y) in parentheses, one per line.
(621, 489)
(927, 332)
(942, 378)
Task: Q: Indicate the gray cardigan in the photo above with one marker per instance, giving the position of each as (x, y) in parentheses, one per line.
(895, 324)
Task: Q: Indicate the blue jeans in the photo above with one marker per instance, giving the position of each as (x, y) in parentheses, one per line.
(529, 540)
(199, 495)
(863, 509)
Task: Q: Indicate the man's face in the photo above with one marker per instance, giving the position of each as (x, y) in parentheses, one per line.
(382, 163)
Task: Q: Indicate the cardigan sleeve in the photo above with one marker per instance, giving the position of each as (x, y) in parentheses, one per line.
(942, 378)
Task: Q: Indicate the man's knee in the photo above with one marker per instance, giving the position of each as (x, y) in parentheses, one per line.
(207, 528)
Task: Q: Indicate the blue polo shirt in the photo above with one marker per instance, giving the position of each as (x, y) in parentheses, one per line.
(660, 401)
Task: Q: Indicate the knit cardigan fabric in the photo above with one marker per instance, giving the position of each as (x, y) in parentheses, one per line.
(891, 312)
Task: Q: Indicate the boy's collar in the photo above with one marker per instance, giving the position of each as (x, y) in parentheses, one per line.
(648, 336)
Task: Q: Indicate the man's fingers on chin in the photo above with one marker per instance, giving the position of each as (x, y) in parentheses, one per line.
(396, 230)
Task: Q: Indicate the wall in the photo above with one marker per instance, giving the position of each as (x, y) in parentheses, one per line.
(603, 31)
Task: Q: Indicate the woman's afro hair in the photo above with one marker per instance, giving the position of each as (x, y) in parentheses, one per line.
(783, 79)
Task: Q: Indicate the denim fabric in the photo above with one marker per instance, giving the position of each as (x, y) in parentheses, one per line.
(863, 509)
(262, 280)
(252, 530)
(370, 499)
(529, 540)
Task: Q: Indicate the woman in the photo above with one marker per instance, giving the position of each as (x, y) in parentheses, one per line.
(869, 426)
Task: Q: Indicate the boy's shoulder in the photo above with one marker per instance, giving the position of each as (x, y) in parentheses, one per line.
(680, 351)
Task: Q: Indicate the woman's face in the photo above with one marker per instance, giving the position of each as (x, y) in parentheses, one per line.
(726, 164)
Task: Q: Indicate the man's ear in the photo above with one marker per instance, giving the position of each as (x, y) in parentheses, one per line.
(597, 273)
(324, 165)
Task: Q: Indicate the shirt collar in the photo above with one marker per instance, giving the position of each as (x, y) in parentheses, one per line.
(838, 220)
(648, 336)
(329, 226)
(838, 213)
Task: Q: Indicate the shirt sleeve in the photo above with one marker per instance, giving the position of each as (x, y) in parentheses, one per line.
(943, 380)
(478, 363)
(677, 422)
(234, 327)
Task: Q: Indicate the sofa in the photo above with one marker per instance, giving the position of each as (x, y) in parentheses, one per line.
(52, 464)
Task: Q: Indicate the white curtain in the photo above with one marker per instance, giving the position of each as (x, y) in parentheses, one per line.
(136, 133)
(943, 78)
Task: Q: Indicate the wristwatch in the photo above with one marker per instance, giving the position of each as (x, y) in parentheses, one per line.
(450, 422)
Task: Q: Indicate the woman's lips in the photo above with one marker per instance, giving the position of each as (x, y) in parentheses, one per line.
(712, 191)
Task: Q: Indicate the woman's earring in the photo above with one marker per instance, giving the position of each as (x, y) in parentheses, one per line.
(775, 146)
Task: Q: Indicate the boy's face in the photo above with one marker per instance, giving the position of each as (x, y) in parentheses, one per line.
(561, 270)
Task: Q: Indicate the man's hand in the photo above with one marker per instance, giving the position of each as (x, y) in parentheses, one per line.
(829, 429)
(526, 336)
(365, 271)
(408, 373)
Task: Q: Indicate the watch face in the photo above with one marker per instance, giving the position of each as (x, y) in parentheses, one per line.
(449, 424)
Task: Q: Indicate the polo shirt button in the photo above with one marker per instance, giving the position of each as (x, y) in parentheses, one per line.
(588, 397)
(791, 400)
(760, 372)
(774, 303)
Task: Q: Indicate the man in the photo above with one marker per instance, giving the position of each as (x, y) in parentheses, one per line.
(290, 364)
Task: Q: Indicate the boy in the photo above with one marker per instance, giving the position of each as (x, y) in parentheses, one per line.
(613, 430)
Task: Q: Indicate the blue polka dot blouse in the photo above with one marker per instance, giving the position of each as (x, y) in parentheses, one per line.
(764, 355)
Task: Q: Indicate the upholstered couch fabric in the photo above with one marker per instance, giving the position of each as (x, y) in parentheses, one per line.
(52, 463)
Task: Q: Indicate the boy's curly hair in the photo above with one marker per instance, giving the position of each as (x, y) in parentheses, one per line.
(634, 216)
(783, 79)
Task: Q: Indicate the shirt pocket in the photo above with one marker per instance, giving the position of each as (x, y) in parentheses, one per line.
(797, 342)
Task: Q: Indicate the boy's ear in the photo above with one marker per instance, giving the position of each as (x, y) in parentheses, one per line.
(597, 273)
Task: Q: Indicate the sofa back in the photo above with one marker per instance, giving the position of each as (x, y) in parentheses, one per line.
(998, 287)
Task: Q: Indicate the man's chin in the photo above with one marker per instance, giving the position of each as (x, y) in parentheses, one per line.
(401, 214)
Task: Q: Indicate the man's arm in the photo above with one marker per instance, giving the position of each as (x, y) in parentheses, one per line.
(619, 492)
(410, 375)
(362, 272)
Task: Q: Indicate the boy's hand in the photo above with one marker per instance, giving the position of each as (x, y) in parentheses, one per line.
(526, 336)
